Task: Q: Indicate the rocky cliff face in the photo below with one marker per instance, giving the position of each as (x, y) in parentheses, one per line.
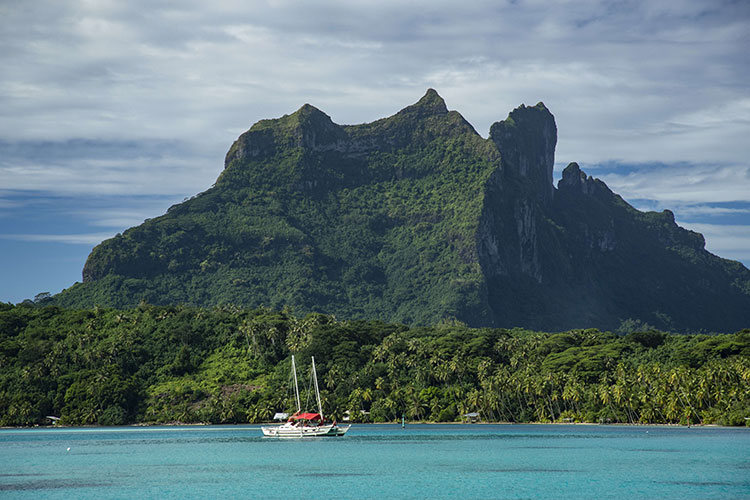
(527, 140)
(417, 218)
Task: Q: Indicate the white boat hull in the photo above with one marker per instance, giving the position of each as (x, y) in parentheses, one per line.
(293, 431)
(305, 424)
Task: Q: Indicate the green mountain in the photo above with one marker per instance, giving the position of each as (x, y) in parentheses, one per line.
(416, 218)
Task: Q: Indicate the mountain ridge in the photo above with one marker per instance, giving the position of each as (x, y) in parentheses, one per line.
(416, 218)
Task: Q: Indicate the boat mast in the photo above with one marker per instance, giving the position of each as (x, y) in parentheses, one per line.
(317, 391)
(296, 387)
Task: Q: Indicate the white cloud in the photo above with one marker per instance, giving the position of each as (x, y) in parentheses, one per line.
(683, 184)
(91, 167)
(634, 82)
(696, 194)
(728, 241)
(122, 212)
(689, 211)
(139, 70)
(6, 204)
(90, 239)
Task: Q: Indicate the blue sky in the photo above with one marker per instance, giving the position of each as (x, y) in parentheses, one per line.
(112, 111)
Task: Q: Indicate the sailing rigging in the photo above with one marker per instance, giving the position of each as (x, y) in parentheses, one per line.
(305, 424)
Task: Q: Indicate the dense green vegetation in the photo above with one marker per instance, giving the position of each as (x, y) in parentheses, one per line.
(161, 364)
(302, 225)
(416, 219)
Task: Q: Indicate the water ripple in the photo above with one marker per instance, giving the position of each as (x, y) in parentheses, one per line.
(332, 474)
(706, 483)
(49, 484)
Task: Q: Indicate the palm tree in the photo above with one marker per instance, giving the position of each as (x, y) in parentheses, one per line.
(390, 406)
(473, 401)
(332, 377)
(415, 406)
(457, 366)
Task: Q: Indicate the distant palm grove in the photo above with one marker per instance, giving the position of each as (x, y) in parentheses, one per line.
(166, 364)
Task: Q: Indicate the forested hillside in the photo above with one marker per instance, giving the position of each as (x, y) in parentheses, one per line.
(415, 219)
(160, 364)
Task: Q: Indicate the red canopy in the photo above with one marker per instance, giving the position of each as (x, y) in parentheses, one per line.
(305, 416)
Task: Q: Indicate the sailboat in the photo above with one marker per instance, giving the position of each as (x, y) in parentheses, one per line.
(305, 424)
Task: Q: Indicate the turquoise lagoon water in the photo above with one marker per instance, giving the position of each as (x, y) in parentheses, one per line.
(378, 461)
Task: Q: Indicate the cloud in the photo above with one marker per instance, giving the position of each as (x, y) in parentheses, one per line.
(703, 210)
(728, 241)
(710, 199)
(39, 213)
(69, 239)
(6, 204)
(97, 167)
(148, 70)
(124, 99)
(681, 184)
(121, 212)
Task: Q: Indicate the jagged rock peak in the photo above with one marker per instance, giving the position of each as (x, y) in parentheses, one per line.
(429, 105)
(526, 119)
(432, 99)
(311, 120)
(307, 127)
(305, 116)
(308, 113)
(526, 141)
(572, 176)
(575, 179)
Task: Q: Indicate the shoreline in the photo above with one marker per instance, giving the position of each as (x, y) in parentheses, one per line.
(416, 422)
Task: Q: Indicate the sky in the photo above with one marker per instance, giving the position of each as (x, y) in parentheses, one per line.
(112, 111)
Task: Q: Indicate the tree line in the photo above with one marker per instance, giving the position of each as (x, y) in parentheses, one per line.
(167, 364)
